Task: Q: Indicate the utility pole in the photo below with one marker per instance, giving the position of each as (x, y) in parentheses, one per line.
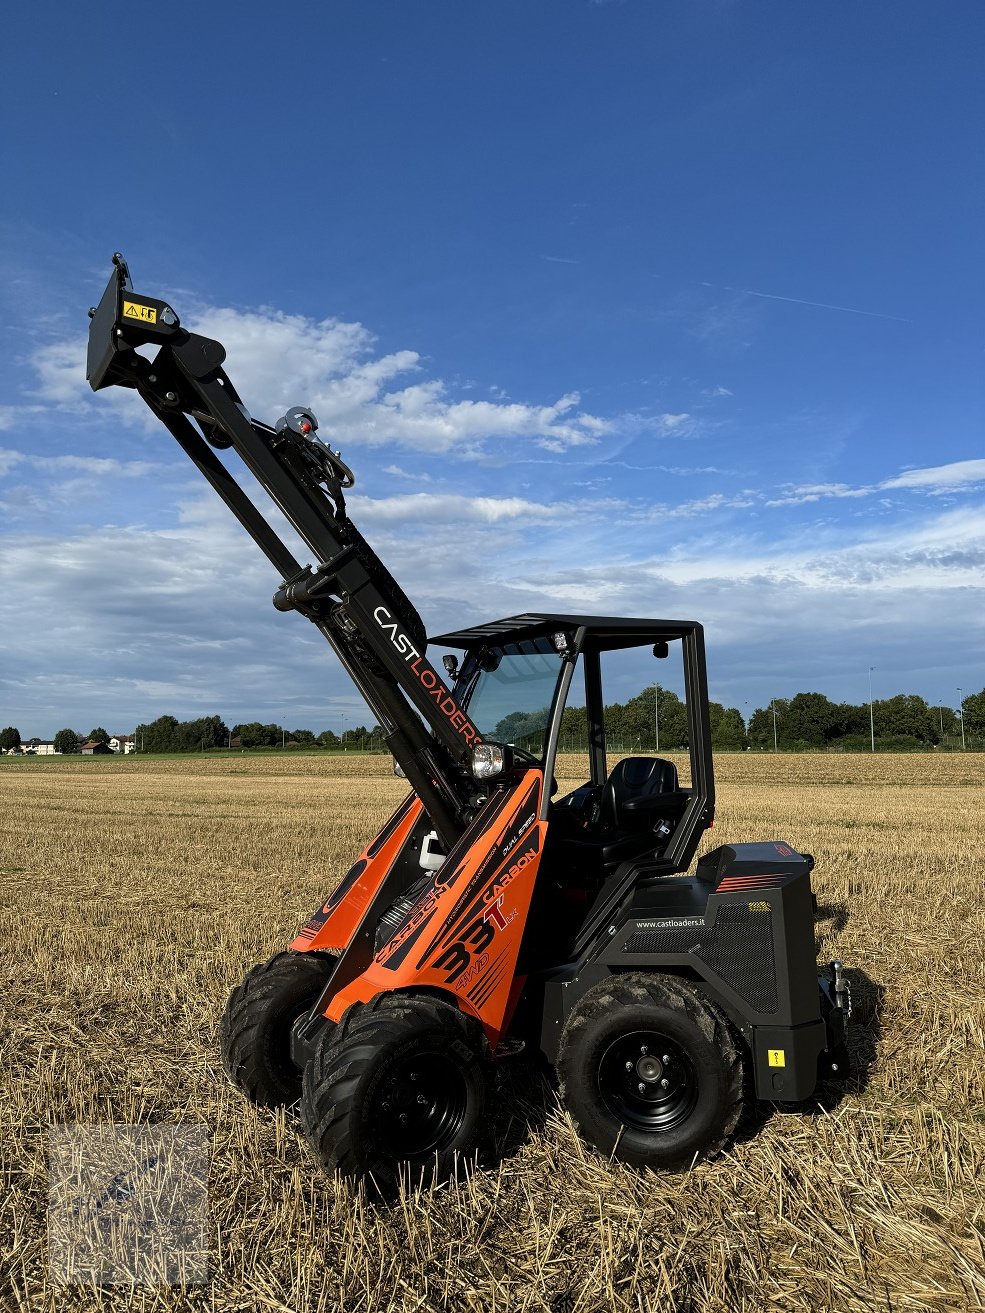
(773, 708)
(872, 717)
(961, 714)
(656, 714)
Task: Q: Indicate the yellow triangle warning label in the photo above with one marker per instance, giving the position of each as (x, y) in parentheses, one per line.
(134, 310)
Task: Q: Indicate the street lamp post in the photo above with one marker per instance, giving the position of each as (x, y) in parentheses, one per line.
(961, 714)
(872, 718)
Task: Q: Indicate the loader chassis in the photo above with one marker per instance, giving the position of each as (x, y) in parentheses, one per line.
(488, 914)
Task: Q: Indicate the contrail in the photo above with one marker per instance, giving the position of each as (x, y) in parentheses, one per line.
(559, 259)
(819, 305)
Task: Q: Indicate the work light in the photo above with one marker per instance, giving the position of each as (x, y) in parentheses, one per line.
(488, 759)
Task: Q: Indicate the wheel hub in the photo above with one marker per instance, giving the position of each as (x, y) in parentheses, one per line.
(649, 1069)
(419, 1105)
(647, 1082)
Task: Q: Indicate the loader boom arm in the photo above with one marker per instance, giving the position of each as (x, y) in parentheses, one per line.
(348, 593)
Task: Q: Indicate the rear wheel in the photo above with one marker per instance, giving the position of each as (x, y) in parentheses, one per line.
(255, 1031)
(398, 1091)
(650, 1071)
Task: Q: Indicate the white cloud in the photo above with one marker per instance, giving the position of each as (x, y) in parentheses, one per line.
(940, 478)
(443, 509)
(811, 492)
(278, 360)
(933, 479)
(95, 465)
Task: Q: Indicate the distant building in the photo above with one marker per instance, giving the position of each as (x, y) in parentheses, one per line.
(122, 743)
(95, 748)
(40, 748)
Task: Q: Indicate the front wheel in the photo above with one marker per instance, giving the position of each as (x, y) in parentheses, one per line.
(255, 1031)
(650, 1071)
(399, 1091)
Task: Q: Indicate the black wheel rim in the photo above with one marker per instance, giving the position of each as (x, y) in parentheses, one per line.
(646, 1080)
(419, 1105)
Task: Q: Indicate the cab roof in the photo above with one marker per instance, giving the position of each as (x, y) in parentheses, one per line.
(603, 632)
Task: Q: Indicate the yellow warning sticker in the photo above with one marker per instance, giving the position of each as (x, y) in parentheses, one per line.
(777, 1057)
(134, 310)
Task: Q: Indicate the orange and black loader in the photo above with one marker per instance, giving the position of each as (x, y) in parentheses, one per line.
(490, 916)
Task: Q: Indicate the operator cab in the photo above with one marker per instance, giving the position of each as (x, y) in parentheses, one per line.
(533, 687)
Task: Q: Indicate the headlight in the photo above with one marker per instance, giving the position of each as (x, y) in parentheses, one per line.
(488, 759)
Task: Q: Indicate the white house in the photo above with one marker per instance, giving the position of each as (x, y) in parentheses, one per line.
(122, 743)
(40, 748)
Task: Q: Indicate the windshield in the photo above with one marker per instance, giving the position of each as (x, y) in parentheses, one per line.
(511, 704)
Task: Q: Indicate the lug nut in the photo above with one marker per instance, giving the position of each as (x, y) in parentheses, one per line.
(641, 1087)
(629, 1066)
(665, 1059)
(665, 1084)
(644, 1048)
(421, 1099)
(403, 1119)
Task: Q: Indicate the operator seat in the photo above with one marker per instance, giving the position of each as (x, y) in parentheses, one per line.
(630, 781)
(595, 827)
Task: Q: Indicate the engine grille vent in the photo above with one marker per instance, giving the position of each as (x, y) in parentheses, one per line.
(739, 949)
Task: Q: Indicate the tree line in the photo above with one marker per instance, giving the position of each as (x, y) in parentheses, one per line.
(806, 722)
(650, 720)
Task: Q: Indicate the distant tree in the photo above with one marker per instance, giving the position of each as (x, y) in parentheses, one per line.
(574, 726)
(810, 719)
(206, 732)
(304, 737)
(159, 736)
(728, 730)
(906, 714)
(255, 735)
(635, 721)
(98, 735)
(328, 739)
(10, 738)
(67, 741)
(850, 720)
(974, 714)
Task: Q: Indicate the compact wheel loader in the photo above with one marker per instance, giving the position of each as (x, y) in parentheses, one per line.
(490, 915)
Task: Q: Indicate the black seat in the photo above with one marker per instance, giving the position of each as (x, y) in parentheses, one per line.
(636, 780)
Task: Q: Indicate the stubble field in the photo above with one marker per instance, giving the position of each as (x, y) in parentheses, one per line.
(133, 896)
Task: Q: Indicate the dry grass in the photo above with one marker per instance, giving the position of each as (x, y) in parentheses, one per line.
(134, 895)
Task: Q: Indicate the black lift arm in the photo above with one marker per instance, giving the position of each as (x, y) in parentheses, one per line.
(348, 593)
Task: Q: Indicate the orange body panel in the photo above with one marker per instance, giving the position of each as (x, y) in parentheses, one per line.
(333, 925)
(463, 933)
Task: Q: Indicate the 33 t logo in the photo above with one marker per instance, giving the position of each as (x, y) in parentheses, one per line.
(475, 939)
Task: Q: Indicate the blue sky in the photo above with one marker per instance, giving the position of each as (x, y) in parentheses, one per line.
(641, 308)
